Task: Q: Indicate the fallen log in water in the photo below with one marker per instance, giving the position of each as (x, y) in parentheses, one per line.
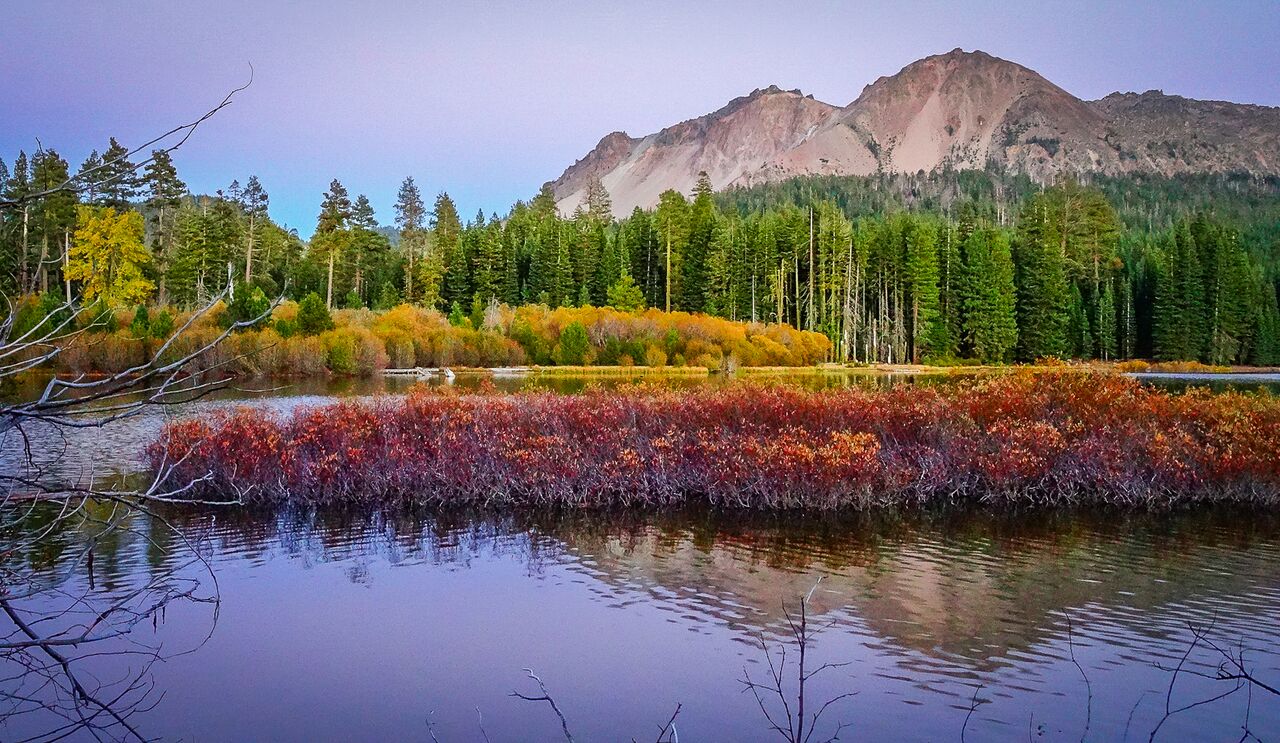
(1021, 437)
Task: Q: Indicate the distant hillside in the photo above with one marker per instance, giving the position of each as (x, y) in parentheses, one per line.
(959, 110)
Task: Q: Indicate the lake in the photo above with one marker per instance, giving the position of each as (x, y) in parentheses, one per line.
(370, 625)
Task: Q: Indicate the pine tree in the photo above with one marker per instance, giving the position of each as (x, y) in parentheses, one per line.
(921, 277)
(18, 223)
(253, 202)
(1043, 298)
(599, 205)
(116, 182)
(671, 223)
(331, 235)
(1178, 323)
(87, 176)
(367, 248)
(207, 236)
(624, 295)
(1105, 323)
(410, 218)
(1079, 335)
(950, 270)
(693, 267)
(313, 315)
(987, 296)
(486, 263)
(446, 229)
(719, 283)
(164, 192)
(52, 220)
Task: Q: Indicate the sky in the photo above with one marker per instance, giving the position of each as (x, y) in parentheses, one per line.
(489, 100)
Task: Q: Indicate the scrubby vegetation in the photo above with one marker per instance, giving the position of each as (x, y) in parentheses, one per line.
(1022, 437)
(305, 338)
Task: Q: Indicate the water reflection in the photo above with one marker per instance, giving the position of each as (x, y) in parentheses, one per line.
(632, 613)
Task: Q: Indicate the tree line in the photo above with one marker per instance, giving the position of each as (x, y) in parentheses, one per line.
(951, 265)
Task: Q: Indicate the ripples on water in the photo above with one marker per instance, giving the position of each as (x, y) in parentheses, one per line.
(341, 626)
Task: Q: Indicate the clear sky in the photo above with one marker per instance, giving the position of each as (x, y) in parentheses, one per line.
(488, 101)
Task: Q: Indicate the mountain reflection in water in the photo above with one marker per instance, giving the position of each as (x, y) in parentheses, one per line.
(341, 625)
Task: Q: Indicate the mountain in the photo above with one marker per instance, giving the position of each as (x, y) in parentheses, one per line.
(744, 142)
(959, 109)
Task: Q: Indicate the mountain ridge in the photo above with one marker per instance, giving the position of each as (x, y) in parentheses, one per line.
(958, 109)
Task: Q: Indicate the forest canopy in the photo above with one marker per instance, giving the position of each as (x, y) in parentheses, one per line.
(951, 265)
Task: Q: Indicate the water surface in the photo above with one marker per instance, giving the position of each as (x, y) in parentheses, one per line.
(345, 626)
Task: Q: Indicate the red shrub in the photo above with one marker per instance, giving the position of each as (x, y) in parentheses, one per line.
(1055, 437)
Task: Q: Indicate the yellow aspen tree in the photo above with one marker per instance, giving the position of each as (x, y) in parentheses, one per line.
(107, 255)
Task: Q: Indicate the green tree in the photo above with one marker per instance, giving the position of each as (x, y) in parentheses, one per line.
(140, 327)
(921, 264)
(625, 295)
(573, 346)
(987, 296)
(164, 192)
(388, 297)
(248, 303)
(313, 315)
(116, 181)
(671, 222)
(331, 237)
(446, 232)
(411, 217)
(52, 219)
(1041, 284)
(693, 267)
(253, 202)
(162, 324)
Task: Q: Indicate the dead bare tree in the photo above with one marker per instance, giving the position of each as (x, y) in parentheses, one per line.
(1232, 669)
(545, 696)
(666, 734)
(56, 625)
(789, 717)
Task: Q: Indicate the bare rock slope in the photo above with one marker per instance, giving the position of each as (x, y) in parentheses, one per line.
(960, 109)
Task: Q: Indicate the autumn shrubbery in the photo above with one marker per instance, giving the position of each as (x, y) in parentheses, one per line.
(304, 338)
(1023, 437)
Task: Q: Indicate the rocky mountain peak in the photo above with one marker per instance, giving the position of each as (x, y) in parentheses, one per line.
(960, 109)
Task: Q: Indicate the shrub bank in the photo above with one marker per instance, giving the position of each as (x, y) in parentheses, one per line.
(305, 339)
(1033, 438)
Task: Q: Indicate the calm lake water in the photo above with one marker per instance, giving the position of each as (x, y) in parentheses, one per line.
(341, 625)
(344, 626)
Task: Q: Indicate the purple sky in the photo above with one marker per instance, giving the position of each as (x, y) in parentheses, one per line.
(488, 102)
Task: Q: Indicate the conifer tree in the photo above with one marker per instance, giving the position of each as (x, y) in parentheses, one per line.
(52, 220)
(693, 267)
(671, 223)
(1105, 322)
(1043, 298)
(331, 236)
(986, 294)
(253, 201)
(921, 274)
(410, 219)
(164, 192)
(116, 182)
